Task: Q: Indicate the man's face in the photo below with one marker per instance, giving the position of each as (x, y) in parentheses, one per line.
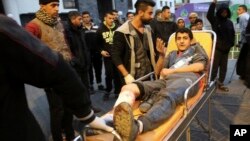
(77, 21)
(86, 18)
(51, 9)
(224, 13)
(130, 16)
(192, 19)
(147, 15)
(183, 41)
(109, 19)
(240, 10)
(166, 14)
(115, 15)
(199, 25)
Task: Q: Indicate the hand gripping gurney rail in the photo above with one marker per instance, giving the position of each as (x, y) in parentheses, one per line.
(173, 128)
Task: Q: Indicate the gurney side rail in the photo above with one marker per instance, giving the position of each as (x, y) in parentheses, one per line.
(187, 91)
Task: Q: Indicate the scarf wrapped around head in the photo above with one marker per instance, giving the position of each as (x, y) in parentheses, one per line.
(44, 17)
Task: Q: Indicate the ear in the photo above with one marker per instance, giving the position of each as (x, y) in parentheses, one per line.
(140, 12)
(42, 6)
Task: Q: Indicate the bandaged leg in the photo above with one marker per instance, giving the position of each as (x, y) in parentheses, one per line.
(125, 96)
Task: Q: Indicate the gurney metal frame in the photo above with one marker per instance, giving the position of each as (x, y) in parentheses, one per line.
(190, 112)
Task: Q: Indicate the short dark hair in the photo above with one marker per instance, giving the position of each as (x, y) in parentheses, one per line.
(184, 30)
(85, 12)
(73, 14)
(165, 7)
(142, 5)
(244, 7)
(198, 20)
(129, 13)
(108, 13)
(114, 11)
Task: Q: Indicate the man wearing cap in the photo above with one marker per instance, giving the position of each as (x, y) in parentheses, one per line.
(47, 27)
(192, 17)
(25, 59)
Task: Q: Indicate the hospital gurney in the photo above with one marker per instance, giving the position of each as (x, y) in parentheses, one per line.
(178, 123)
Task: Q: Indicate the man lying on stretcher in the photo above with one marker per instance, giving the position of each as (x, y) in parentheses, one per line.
(178, 70)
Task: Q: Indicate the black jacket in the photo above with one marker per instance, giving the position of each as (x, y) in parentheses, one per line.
(163, 29)
(105, 37)
(248, 32)
(25, 59)
(222, 26)
(91, 38)
(76, 40)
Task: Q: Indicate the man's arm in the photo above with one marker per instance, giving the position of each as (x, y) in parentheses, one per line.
(33, 29)
(199, 63)
(211, 11)
(196, 67)
(160, 47)
(117, 51)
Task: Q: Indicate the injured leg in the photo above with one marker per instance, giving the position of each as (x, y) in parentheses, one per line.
(128, 94)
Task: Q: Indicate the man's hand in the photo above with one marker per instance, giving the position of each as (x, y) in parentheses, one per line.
(99, 123)
(160, 46)
(165, 72)
(105, 53)
(129, 79)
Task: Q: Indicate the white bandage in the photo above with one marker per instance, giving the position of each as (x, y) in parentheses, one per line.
(125, 96)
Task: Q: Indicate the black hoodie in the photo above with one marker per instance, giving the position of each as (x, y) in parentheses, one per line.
(222, 26)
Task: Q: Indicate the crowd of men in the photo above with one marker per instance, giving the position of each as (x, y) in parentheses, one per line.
(128, 50)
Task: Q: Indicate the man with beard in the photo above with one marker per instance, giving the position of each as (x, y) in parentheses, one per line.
(133, 49)
(47, 27)
(81, 62)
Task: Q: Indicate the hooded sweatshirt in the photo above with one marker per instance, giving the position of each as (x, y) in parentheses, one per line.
(222, 26)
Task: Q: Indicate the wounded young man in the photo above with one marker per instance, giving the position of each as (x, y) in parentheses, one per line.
(166, 93)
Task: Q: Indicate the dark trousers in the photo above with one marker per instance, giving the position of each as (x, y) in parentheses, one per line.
(61, 117)
(169, 93)
(67, 120)
(83, 74)
(241, 62)
(112, 74)
(220, 63)
(247, 79)
(56, 114)
(96, 65)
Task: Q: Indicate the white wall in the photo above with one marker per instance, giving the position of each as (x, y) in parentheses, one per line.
(17, 7)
